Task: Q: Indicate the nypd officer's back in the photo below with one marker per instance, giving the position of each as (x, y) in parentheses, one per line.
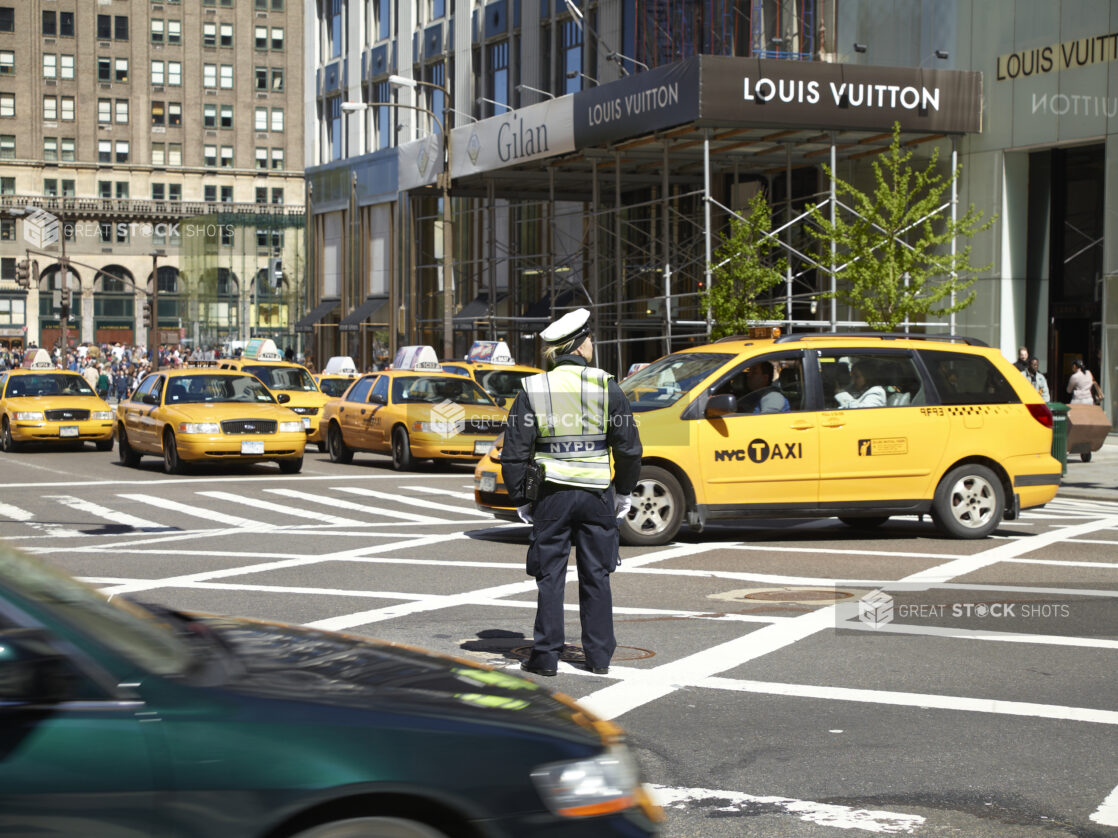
(568, 421)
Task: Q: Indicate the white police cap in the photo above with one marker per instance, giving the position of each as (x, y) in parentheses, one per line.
(568, 327)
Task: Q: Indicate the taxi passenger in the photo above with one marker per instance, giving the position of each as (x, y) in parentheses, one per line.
(861, 392)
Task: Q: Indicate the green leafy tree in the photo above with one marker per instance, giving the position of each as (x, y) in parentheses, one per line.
(893, 250)
(744, 271)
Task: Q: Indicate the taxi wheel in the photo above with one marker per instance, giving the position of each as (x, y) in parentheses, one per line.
(339, 451)
(657, 511)
(969, 502)
(372, 828)
(104, 444)
(1085, 457)
(125, 452)
(6, 440)
(864, 523)
(291, 466)
(401, 450)
(171, 462)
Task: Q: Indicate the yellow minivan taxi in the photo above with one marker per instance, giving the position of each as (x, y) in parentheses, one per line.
(262, 359)
(856, 426)
(42, 404)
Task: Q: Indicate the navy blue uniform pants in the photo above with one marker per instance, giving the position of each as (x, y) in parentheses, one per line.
(564, 515)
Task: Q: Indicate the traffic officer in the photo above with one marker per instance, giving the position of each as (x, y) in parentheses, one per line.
(566, 422)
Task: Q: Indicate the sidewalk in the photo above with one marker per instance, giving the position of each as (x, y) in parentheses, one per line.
(1096, 480)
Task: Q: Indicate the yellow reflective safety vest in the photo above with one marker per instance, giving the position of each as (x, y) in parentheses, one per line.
(571, 411)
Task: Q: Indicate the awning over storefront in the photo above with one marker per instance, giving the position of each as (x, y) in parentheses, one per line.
(325, 307)
(475, 308)
(370, 311)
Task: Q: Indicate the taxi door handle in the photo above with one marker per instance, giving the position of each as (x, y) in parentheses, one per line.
(834, 423)
(801, 426)
(362, 411)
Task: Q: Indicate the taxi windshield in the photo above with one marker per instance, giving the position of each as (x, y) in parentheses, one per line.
(664, 382)
(48, 384)
(129, 630)
(195, 389)
(283, 378)
(417, 389)
(504, 383)
(334, 386)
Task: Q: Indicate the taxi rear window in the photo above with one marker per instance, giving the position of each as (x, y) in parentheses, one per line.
(283, 378)
(664, 382)
(334, 386)
(967, 379)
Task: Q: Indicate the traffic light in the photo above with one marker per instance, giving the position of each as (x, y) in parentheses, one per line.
(64, 298)
(147, 312)
(23, 273)
(275, 272)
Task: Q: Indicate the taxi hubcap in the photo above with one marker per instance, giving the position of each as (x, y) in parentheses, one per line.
(652, 508)
(973, 501)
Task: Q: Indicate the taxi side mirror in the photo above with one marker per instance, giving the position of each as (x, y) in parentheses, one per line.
(500, 400)
(149, 398)
(283, 398)
(720, 405)
(377, 398)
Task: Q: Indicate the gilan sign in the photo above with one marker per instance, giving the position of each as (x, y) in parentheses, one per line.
(532, 133)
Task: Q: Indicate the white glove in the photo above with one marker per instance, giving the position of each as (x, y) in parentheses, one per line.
(621, 505)
(525, 513)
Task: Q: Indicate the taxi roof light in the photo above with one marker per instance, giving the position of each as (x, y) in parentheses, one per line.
(261, 349)
(490, 351)
(417, 358)
(37, 359)
(340, 365)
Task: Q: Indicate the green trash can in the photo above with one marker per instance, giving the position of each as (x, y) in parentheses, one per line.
(1060, 433)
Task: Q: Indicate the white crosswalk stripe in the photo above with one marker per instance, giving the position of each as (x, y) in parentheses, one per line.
(15, 513)
(293, 511)
(338, 503)
(425, 504)
(198, 512)
(111, 515)
(435, 490)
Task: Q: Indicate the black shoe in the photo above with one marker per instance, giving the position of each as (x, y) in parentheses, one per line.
(599, 670)
(538, 670)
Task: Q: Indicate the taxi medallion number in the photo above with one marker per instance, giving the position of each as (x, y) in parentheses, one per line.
(68, 430)
(488, 482)
(252, 447)
(481, 448)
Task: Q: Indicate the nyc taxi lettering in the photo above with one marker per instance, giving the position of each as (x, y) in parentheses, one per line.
(759, 451)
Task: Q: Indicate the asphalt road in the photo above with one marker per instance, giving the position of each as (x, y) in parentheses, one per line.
(974, 694)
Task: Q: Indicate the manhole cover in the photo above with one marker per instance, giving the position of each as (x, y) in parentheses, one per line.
(805, 595)
(574, 654)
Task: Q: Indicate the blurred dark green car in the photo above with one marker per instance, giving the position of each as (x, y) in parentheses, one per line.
(118, 719)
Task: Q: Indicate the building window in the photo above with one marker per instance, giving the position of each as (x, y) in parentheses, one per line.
(122, 111)
(174, 32)
(122, 189)
(226, 116)
(260, 34)
(174, 73)
(226, 35)
(174, 113)
(67, 66)
(277, 119)
(209, 34)
(104, 189)
(334, 28)
(277, 196)
(227, 157)
(8, 225)
(226, 76)
(261, 78)
(261, 120)
(67, 108)
(572, 56)
(226, 235)
(50, 149)
(104, 69)
(7, 184)
(104, 27)
(277, 78)
(497, 77)
(67, 185)
(50, 24)
(50, 189)
(122, 151)
(209, 155)
(158, 113)
(158, 191)
(158, 155)
(7, 104)
(383, 19)
(157, 77)
(227, 194)
(66, 24)
(7, 19)
(209, 75)
(334, 126)
(261, 159)
(8, 63)
(67, 157)
(120, 27)
(174, 158)
(50, 64)
(209, 193)
(209, 116)
(157, 29)
(277, 38)
(382, 115)
(121, 70)
(50, 108)
(105, 110)
(277, 158)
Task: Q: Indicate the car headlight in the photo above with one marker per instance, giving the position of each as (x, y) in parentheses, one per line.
(199, 428)
(441, 428)
(291, 427)
(101, 414)
(584, 788)
(29, 416)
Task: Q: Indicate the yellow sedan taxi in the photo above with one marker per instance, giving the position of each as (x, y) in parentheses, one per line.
(201, 414)
(490, 364)
(262, 359)
(861, 427)
(42, 404)
(413, 411)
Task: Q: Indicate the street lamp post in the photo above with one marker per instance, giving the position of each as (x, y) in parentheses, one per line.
(444, 185)
(153, 338)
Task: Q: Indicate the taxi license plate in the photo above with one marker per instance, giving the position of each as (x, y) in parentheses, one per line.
(488, 482)
(68, 430)
(482, 448)
(307, 423)
(248, 447)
